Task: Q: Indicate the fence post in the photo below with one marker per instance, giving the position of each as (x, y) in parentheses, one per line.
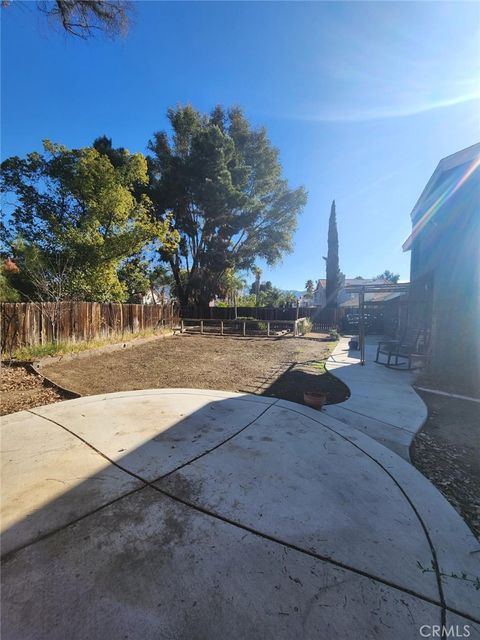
(221, 327)
(201, 326)
(182, 326)
(244, 328)
(268, 329)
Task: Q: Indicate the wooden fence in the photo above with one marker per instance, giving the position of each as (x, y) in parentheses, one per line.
(31, 323)
(323, 317)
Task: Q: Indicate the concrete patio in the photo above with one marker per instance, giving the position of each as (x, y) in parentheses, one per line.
(383, 403)
(183, 513)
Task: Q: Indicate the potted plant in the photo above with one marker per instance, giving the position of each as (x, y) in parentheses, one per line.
(315, 399)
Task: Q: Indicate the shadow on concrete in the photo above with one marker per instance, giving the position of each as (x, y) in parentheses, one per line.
(299, 377)
(145, 544)
(68, 474)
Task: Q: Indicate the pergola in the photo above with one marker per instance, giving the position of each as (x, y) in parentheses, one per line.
(361, 290)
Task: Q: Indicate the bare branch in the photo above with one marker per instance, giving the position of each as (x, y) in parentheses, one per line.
(82, 18)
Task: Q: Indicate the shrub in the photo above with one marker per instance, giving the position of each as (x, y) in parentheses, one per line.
(306, 326)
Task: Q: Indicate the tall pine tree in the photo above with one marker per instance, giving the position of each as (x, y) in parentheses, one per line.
(334, 275)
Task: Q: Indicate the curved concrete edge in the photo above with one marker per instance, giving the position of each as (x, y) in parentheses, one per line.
(382, 403)
(170, 391)
(101, 397)
(456, 548)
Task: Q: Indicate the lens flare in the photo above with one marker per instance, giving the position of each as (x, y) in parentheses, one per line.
(439, 202)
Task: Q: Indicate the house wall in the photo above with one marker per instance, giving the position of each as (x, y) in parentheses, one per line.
(319, 297)
(445, 289)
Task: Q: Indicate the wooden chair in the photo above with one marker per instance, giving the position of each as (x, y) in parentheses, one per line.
(412, 347)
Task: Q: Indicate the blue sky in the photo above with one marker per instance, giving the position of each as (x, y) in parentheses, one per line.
(362, 100)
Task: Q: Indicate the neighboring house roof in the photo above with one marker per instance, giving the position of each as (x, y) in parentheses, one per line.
(361, 281)
(452, 173)
(352, 281)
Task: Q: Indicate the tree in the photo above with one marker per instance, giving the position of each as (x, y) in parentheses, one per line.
(232, 285)
(389, 276)
(72, 206)
(266, 295)
(310, 288)
(258, 274)
(83, 18)
(221, 180)
(135, 275)
(290, 299)
(334, 275)
(271, 297)
(8, 293)
(258, 287)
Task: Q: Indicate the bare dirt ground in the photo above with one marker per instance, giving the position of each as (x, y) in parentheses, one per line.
(282, 367)
(22, 389)
(446, 451)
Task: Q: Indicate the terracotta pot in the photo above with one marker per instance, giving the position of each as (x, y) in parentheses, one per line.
(315, 399)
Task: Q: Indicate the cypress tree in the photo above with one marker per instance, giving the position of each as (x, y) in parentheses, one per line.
(333, 267)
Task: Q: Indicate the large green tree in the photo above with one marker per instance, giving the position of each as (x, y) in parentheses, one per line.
(222, 182)
(75, 217)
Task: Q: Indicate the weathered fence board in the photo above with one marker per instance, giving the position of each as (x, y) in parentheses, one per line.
(31, 323)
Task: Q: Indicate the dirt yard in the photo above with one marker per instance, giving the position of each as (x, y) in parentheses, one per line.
(282, 367)
(446, 452)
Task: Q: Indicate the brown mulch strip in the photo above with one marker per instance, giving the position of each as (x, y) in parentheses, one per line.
(22, 389)
(446, 451)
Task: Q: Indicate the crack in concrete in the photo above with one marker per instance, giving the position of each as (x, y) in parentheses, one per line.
(407, 497)
(201, 455)
(364, 415)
